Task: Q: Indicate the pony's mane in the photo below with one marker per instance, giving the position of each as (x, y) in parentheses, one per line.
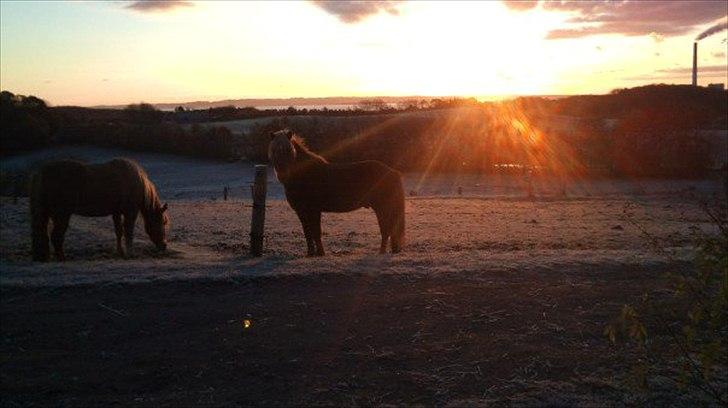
(304, 152)
(151, 197)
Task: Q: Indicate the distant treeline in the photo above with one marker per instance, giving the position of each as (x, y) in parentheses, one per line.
(27, 123)
(365, 107)
(655, 130)
(648, 131)
(141, 127)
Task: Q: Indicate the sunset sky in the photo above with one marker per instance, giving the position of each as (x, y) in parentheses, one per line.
(92, 53)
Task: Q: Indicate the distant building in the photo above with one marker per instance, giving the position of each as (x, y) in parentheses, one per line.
(716, 86)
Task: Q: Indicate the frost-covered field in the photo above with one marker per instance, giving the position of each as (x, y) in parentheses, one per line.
(599, 225)
(497, 300)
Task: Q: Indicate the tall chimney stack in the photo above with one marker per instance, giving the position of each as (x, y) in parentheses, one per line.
(695, 64)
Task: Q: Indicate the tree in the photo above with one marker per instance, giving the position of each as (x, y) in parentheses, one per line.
(143, 113)
(26, 123)
(372, 105)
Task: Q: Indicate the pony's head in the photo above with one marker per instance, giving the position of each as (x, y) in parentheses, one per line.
(281, 151)
(156, 224)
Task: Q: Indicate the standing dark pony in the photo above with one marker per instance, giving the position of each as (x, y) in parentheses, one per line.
(313, 185)
(118, 188)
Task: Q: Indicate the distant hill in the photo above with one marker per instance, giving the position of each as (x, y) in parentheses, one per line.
(279, 102)
(317, 103)
(673, 98)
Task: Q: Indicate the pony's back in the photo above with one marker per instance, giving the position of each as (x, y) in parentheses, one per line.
(69, 186)
(145, 192)
(60, 184)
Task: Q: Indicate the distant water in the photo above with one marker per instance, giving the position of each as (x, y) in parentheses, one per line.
(349, 106)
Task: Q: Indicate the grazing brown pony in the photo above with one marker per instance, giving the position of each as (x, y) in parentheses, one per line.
(118, 188)
(313, 185)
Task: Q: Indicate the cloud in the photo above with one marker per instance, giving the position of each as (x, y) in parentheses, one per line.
(707, 71)
(719, 54)
(703, 70)
(632, 18)
(355, 11)
(157, 6)
(520, 5)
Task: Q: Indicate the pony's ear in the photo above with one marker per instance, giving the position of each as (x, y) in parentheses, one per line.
(289, 133)
(164, 208)
(272, 135)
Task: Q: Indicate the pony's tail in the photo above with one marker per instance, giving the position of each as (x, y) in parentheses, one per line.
(38, 220)
(398, 212)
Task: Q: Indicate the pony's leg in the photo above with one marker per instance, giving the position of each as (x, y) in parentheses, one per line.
(129, 221)
(306, 222)
(395, 229)
(384, 229)
(119, 229)
(41, 251)
(316, 233)
(60, 225)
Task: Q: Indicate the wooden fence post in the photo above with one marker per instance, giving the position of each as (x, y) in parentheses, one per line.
(257, 224)
(529, 181)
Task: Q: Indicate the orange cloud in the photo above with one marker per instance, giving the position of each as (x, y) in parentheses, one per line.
(355, 11)
(708, 71)
(631, 18)
(520, 5)
(156, 6)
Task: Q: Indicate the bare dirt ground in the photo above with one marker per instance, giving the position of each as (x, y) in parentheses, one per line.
(497, 300)
(348, 339)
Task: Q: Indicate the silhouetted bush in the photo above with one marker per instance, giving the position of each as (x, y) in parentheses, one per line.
(667, 141)
(26, 123)
(143, 113)
(684, 324)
